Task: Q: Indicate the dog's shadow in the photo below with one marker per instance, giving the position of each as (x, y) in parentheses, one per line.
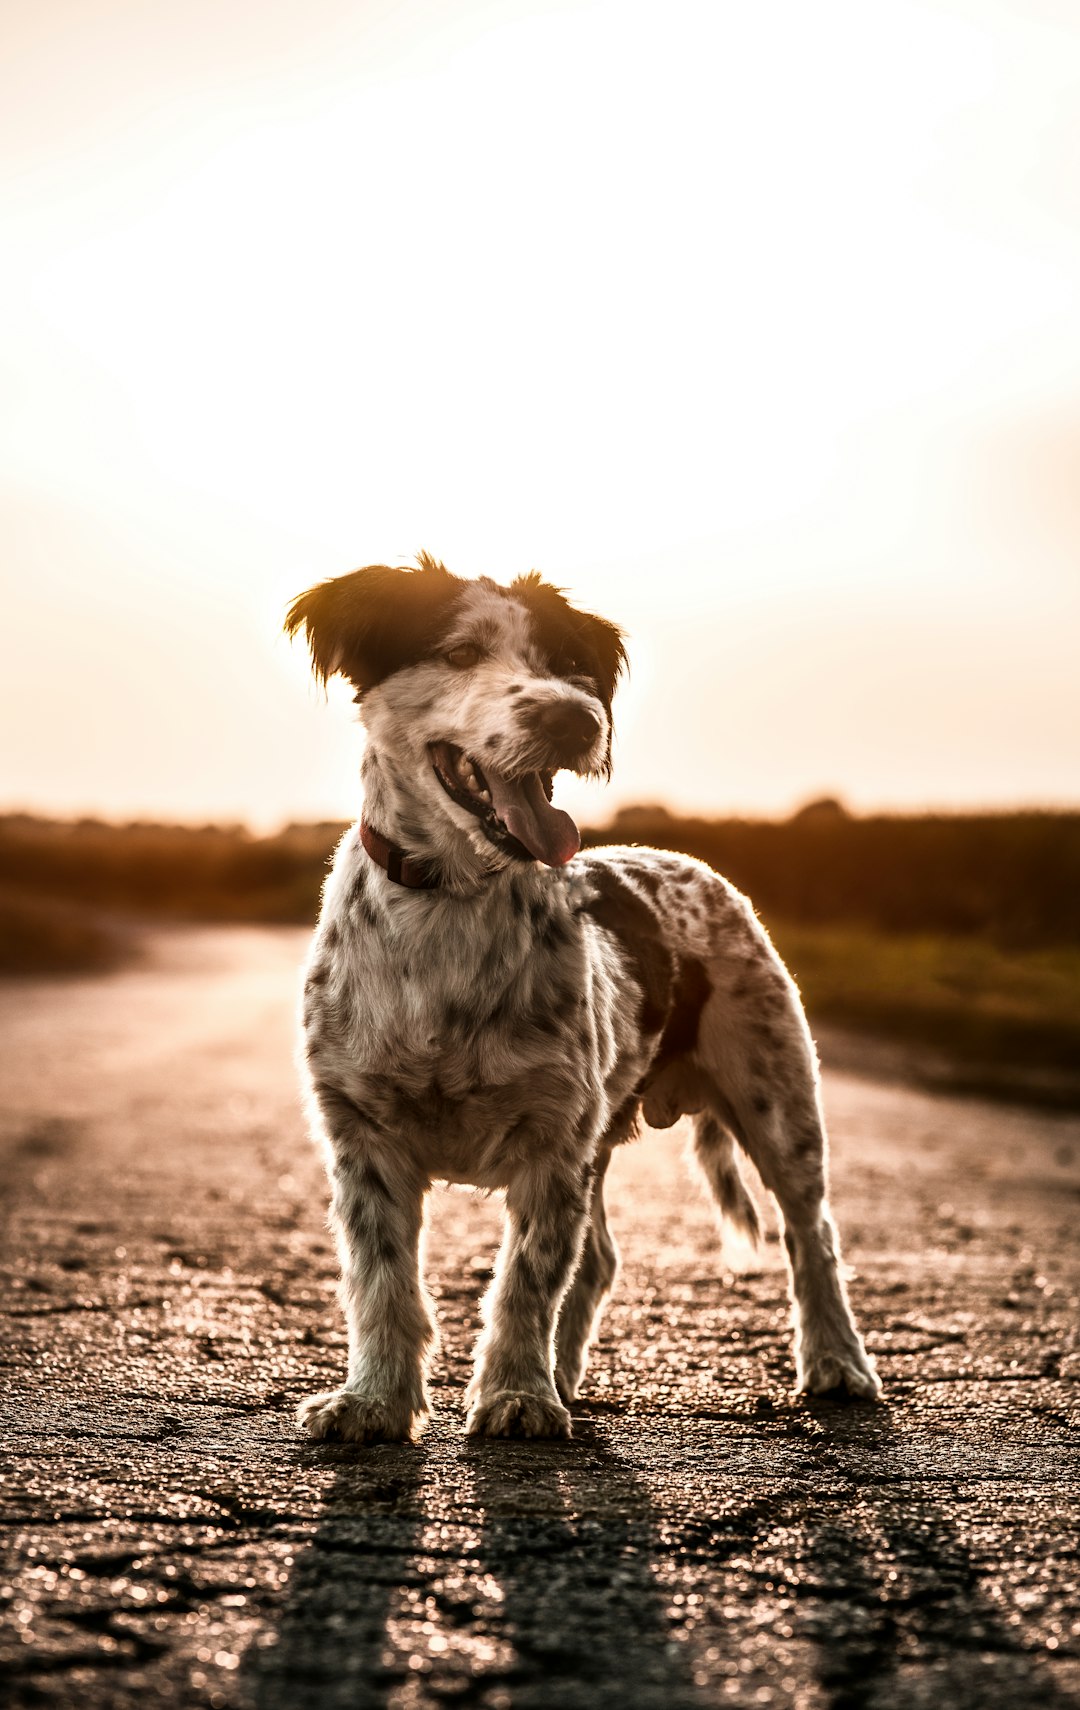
(476, 1573)
(861, 1555)
(529, 1574)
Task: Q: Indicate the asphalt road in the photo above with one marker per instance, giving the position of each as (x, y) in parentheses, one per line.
(705, 1539)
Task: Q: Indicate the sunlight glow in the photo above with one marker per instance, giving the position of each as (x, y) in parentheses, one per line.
(693, 308)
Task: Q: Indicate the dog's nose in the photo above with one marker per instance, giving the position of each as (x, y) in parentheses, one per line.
(571, 727)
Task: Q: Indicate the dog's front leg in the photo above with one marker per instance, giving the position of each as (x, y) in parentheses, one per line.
(377, 1212)
(513, 1392)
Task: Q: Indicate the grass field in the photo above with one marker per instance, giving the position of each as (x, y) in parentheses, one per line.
(959, 933)
(986, 1005)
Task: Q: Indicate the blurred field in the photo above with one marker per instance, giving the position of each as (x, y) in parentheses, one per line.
(960, 933)
(209, 872)
(1005, 1013)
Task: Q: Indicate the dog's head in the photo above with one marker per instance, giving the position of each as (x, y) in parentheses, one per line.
(476, 693)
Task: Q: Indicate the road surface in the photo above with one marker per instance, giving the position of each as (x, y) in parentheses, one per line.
(705, 1539)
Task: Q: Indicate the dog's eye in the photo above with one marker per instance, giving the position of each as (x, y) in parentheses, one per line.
(571, 665)
(576, 671)
(465, 656)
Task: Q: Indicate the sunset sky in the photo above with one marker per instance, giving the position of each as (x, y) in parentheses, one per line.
(755, 327)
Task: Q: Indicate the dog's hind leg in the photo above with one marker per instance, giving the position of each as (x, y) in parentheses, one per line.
(377, 1212)
(785, 1137)
(513, 1393)
(593, 1278)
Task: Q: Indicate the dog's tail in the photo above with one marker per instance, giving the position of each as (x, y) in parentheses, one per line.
(714, 1150)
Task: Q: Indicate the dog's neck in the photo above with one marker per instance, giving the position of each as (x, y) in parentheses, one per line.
(396, 809)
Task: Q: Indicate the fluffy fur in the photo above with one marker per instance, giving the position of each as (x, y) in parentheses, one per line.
(506, 1026)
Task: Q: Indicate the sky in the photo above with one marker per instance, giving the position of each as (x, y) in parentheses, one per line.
(755, 328)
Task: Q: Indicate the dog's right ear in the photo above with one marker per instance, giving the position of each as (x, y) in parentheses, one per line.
(375, 621)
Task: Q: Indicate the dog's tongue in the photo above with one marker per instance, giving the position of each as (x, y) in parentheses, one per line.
(524, 809)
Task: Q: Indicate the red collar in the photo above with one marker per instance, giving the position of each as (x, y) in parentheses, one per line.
(401, 868)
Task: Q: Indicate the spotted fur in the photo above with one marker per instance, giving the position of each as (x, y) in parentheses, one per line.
(508, 1026)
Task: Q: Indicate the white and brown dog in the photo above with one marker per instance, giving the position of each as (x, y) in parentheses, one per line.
(485, 1005)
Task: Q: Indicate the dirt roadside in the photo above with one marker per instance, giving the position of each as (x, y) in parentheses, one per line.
(705, 1539)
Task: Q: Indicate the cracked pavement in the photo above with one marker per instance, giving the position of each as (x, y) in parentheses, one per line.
(706, 1538)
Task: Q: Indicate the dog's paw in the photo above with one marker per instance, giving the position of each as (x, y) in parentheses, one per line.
(850, 1372)
(349, 1418)
(509, 1413)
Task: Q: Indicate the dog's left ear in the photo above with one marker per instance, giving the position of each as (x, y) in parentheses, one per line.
(375, 621)
(604, 642)
(576, 643)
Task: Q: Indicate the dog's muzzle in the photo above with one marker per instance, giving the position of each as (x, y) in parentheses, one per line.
(514, 813)
(569, 728)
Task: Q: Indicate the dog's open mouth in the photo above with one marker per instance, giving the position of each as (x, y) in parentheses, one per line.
(515, 813)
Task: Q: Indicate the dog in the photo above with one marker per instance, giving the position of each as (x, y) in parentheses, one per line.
(485, 1004)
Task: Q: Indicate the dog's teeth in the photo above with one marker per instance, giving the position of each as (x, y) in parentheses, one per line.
(485, 796)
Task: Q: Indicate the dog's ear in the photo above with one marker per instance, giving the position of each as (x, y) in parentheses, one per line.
(576, 643)
(374, 621)
(604, 642)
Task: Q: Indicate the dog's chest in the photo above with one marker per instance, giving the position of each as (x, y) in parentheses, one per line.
(465, 1036)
